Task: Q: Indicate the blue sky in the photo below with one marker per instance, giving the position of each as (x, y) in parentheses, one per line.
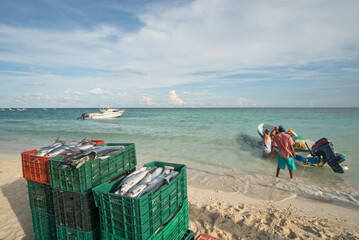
(205, 53)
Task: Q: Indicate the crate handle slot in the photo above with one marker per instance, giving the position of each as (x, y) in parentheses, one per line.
(70, 233)
(33, 159)
(115, 201)
(168, 220)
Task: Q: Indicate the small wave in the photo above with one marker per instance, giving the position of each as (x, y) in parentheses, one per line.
(273, 189)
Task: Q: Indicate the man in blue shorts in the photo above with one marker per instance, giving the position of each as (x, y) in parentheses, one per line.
(285, 145)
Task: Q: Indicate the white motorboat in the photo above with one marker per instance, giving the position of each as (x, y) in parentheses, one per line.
(106, 112)
(21, 109)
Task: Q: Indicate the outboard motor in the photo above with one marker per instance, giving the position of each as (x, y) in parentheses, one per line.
(83, 116)
(323, 149)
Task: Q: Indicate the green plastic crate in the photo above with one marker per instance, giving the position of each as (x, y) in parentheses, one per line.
(40, 197)
(66, 233)
(44, 225)
(76, 210)
(175, 229)
(139, 218)
(94, 172)
(189, 235)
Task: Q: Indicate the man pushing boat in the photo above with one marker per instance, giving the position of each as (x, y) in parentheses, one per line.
(286, 152)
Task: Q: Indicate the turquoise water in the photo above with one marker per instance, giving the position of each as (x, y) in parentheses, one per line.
(225, 138)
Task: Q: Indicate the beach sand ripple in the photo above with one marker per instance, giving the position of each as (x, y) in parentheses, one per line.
(255, 221)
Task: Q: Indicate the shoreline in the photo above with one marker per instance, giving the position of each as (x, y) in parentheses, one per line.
(225, 213)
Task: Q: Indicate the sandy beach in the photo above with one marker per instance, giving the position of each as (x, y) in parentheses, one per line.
(226, 213)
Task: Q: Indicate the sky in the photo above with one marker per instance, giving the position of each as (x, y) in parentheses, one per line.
(202, 53)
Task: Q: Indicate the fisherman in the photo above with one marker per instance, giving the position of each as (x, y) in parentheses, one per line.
(291, 133)
(274, 132)
(285, 145)
(267, 143)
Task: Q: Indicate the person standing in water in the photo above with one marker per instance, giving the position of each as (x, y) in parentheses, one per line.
(285, 145)
(274, 132)
(267, 144)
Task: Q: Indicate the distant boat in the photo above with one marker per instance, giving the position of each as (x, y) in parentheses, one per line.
(21, 109)
(45, 109)
(106, 112)
(2, 109)
(10, 109)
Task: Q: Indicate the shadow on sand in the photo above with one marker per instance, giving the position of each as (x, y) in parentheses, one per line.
(17, 195)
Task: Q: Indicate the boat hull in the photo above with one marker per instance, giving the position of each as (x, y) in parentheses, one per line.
(105, 115)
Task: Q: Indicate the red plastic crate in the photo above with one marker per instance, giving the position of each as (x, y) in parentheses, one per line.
(206, 237)
(35, 168)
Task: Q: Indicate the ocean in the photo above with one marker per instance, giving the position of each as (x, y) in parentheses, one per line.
(220, 146)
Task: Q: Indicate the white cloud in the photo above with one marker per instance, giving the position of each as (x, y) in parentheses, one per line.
(246, 102)
(34, 84)
(99, 91)
(178, 44)
(25, 99)
(175, 99)
(148, 100)
(71, 92)
(204, 35)
(351, 69)
(242, 102)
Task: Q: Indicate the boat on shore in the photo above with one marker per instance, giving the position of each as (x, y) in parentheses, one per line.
(317, 153)
(106, 112)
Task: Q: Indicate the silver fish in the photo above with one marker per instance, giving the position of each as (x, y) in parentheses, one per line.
(171, 176)
(137, 189)
(47, 149)
(152, 186)
(79, 157)
(65, 149)
(88, 158)
(131, 181)
(157, 172)
(155, 183)
(118, 189)
(85, 145)
(148, 177)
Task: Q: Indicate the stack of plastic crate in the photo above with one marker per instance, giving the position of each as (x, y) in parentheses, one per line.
(161, 215)
(42, 210)
(36, 172)
(77, 216)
